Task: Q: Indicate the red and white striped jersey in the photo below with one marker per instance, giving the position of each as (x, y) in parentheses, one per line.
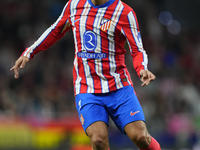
(99, 33)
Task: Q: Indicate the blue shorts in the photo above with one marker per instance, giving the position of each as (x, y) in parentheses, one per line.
(121, 105)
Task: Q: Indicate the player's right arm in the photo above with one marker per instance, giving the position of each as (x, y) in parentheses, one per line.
(46, 40)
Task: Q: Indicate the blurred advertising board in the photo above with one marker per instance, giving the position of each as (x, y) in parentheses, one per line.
(20, 134)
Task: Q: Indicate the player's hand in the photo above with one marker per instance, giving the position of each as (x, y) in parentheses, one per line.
(146, 77)
(20, 63)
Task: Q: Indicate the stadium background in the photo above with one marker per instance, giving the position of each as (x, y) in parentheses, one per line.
(37, 111)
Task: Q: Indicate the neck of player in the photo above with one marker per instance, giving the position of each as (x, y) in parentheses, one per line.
(99, 2)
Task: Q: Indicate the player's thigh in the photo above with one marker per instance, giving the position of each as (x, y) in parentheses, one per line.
(138, 134)
(126, 108)
(91, 110)
(136, 129)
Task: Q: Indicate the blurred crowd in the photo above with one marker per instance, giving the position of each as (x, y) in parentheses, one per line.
(44, 89)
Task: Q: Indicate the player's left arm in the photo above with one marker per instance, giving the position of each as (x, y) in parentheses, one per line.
(146, 77)
(131, 31)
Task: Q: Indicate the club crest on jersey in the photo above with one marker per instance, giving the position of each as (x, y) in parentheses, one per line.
(105, 24)
(82, 119)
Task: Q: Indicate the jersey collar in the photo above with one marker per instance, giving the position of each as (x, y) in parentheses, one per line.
(108, 3)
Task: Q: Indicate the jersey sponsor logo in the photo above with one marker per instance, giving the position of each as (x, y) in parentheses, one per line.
(90, 40)
(105, 24)
(92, 55)
(133, 113)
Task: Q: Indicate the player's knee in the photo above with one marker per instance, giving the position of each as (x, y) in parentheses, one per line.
(98, 140)
(141, 138)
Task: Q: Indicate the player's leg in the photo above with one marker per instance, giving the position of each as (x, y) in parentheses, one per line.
(98, 134)
(139, 135)
(127, 113)
(94, 119)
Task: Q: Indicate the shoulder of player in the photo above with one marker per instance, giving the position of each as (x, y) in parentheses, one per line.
(127, 9)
